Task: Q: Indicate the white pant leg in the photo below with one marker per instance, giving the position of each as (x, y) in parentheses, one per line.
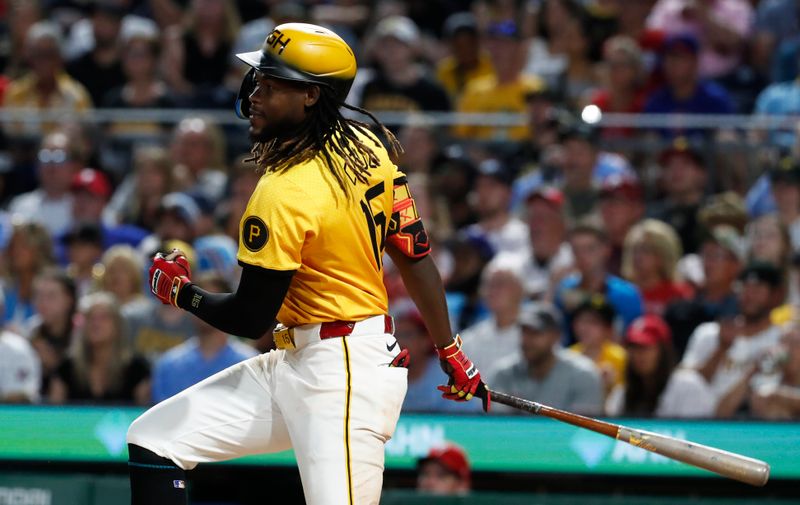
(340, 450)
(230, 414)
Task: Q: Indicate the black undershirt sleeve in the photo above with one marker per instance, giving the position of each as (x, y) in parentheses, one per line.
(250, 311)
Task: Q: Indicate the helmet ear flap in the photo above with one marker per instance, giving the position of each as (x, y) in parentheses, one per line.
(242, 106)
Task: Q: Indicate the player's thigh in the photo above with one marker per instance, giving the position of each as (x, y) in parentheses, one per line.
(345, 402)
(230, 414)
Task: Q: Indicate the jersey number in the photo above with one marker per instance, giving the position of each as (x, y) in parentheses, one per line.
(375, 222)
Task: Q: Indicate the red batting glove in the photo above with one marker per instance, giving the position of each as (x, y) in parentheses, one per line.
(168, 275)
(465, 379)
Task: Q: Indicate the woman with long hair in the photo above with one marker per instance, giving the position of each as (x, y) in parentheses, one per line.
(101, 368)
(653, 386)
(29, 251)
(650, 257)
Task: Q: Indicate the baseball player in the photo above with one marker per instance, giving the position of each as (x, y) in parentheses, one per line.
(327, 205)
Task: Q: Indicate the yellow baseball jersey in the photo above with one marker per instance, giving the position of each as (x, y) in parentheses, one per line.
(300, 220)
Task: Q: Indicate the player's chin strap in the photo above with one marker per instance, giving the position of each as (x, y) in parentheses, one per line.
(155, 480)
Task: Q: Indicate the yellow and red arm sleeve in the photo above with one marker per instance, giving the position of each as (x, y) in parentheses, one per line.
(406, 231)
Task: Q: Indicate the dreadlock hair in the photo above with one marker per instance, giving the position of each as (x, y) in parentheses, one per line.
(325, 133)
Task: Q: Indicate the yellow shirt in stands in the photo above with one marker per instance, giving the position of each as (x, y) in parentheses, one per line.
(612, 357)
(486, 95)
(301, 220)
(69, 97)
(455, 81)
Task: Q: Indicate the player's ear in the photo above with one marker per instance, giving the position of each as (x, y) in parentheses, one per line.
(312, 95)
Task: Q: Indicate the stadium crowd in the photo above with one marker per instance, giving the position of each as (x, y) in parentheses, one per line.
(609, 270)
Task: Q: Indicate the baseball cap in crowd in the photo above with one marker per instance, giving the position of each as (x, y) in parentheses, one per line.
(596, 304)
(727, 208)
(183, 205)
(460, 22)
(505, 29)
(540, 317)
(451, 457)
(398, 27)
(549, 194)
(496, 170)
(681, 146)
(648, 329)
(109, 7)
(786, 170)
(86, 233)
(622, 186)
(686, 42)
(730, 239)
(762, 271)
(92, 181)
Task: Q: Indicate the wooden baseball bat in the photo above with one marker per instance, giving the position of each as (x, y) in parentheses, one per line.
(727, 464)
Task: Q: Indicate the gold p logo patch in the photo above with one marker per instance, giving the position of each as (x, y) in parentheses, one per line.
(255, 233)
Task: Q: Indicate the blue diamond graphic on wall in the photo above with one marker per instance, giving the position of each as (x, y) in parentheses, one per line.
(111, 430)
(591, 447)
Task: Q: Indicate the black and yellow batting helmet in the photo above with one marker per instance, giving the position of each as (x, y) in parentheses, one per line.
(300, 52)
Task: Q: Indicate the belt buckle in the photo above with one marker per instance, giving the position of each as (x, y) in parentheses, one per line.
(283, 337)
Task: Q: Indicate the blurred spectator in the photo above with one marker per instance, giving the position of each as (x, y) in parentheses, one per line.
(20, 17)
(420, 140)
(137, 199)
(580, 77)
(591, 248)
(20, 369)
(684, 180)
(722, 254)
(424, 371)
(445, 471)
(122, 275)
(196, 56)
(203, 355)
(84, 246)
(555, 377)
(399, 82)
(624, 82)
(768, 241)
(653, 386)
(466, 61)
(547, 53)
(497, 336)
(100, 69)
(593, 326)
(470, 254)
(586, 166)
(552, 256)
(30, 250)
(50, 329)
(241, 184)
(621, 204)
(724, 351)
(779, 398)
(776, 26)
(684, 91)
(726, 208)
(198, 151)
(649, 260)
(506, 91)
(721, 26)
(100, 368)
(785, 182)
(492, 199)
(141, 86)
(533, 157)
(59, 160)
(779, 99)
(451, 185)
(46, 86)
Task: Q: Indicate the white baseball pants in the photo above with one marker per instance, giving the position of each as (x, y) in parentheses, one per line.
(335, 401)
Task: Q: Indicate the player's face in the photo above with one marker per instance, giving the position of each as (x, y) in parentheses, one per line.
(278, 106)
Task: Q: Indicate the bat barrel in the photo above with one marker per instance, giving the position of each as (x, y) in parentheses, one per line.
(734, 466)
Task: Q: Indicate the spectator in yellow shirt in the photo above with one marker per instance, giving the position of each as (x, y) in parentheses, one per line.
(467, 61)
(504, 92)
(593, 325)
(46, 86)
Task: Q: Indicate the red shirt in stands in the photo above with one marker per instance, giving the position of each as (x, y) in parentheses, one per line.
(656, 299)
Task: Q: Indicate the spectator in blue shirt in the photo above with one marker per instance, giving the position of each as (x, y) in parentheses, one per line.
(684, 92)
(778, 99)
(592, 251)
(199, 357)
